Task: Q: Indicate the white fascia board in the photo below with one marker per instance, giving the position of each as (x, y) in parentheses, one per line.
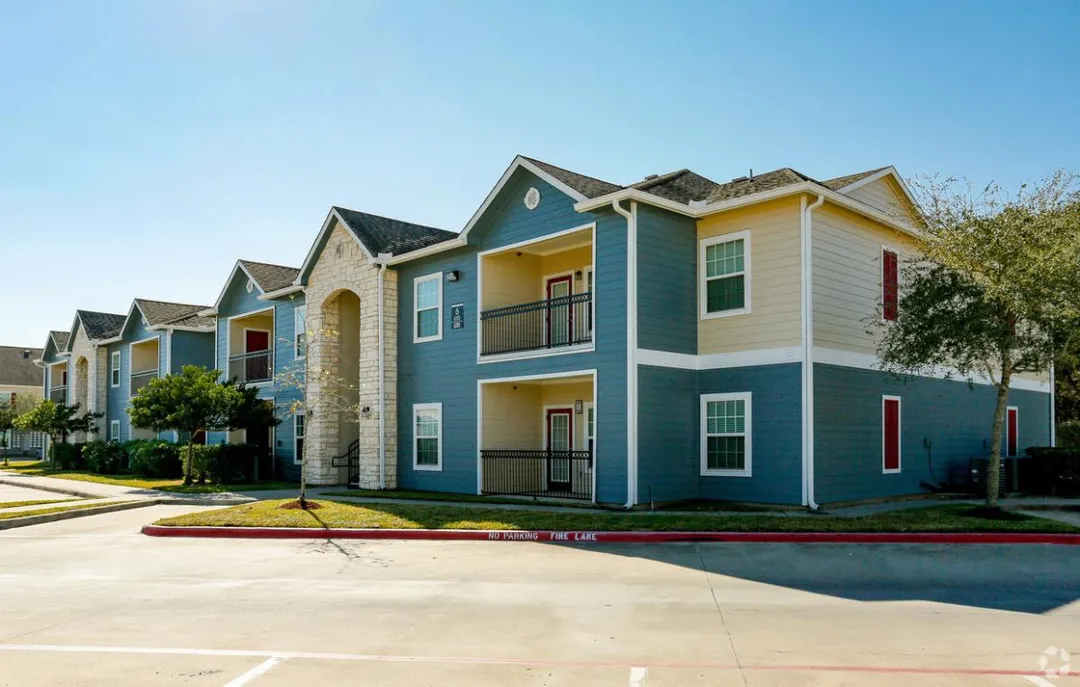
(428, 250)
(272, 295)
(232, 274)
(888, 171)
(309, 260)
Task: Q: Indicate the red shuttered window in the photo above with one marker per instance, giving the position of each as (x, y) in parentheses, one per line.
(890, 296)
(1010, 427)
(890, 434)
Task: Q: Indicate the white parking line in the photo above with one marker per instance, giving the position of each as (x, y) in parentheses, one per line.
(637, 676)
(1040, 681)
(256, 671)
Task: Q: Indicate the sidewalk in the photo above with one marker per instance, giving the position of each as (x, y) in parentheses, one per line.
(95, 490)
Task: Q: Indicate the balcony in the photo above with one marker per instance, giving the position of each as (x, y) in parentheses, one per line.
(58, 394)
(253, 367)
(538, 298)
(553, 323)
(537, 437)
(141, 379)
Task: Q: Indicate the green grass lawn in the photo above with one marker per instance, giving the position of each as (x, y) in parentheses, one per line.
(447, 497)
(948, 518)
(20, 464)
(139, 482)
(20, 504)
(8, 515)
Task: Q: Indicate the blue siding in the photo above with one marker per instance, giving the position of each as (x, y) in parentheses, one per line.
(776, 433)
(667, 434)
(667, 275)
(119, 397)
(956, 420)
(192, 348)
(446, 371)
(238, 301)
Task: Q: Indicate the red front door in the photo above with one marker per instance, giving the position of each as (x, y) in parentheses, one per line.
(256, 340)
(256, 368)
(560, 318)
(560, 441)
(1011, 425)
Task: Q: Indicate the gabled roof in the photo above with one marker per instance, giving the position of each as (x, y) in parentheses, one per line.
(97, 325)
(838, 183)
(17, 367)
(386, 235)
(269, 277)
(59, 340)
(590, 187)
(165, 315)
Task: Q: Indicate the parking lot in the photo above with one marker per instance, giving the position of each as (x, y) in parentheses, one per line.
(92, 602)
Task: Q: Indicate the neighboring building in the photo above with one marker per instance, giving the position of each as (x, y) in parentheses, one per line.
(156, 339)
(88, 363)
(21, 377)
(677, 339)
(260, 341)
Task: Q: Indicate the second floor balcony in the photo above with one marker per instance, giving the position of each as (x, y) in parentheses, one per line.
(537, 298)
(251, 347)
(58, 394)
(141, 379)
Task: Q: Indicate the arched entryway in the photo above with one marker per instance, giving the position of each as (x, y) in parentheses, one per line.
(333, 415)
(81, 393)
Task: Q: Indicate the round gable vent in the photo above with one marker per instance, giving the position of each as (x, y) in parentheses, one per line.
(250, 286)
(532, 198)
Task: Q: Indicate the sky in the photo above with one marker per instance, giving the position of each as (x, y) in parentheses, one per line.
(146, 146)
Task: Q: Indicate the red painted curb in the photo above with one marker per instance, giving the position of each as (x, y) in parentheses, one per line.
(617, 537)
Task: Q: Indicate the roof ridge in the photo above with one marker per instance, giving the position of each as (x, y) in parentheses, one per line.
(653, 180)
(570, 171)
(392, 219)
(267, 264)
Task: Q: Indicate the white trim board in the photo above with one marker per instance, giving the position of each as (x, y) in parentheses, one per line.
(716, 361)
(867, 361)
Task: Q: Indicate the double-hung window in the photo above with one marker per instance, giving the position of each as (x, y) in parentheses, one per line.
(427, 436)
(114, 430)
(300, 331)
(724, 266)
(726, 434)
(114, 369)
(299, 429)
(427, 308)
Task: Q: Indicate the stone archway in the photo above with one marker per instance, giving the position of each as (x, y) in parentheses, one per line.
(81, 394)
(333, 383)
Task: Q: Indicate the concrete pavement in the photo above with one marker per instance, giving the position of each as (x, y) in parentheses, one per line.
(91, 602)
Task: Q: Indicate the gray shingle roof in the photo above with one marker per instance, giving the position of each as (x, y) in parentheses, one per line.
(778, 178)
(386, 235)
(194, 322)
(100, 325)
(161, 312)
(840, 182)
(17, 366)
(590, 187)
(682, 186)
(270, 277)
(60, 340)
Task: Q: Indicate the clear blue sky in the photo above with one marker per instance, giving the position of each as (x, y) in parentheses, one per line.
(145, 146)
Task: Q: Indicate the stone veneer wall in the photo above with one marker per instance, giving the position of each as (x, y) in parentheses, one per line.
(93, 381)
(342, 265)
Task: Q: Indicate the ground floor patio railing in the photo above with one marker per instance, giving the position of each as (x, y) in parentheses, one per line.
(551, 474)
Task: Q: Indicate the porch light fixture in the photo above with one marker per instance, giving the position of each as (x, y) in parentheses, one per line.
(452, 275)
(579, 406)
(577, 275)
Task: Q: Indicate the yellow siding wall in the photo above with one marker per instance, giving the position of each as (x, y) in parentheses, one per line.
(775, 305)
(884, 195)
(514, 418)
(264, 321)
(512, 279)
(847, 276)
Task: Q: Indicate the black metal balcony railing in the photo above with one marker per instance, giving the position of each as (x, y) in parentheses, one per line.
(141, 379)
(553, 474)
(58, 394)
(554, 323)
(254, 366)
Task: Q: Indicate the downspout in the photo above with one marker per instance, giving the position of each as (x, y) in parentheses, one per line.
(631, 351)
(1053, 409)
(806, 234)
(383, 257)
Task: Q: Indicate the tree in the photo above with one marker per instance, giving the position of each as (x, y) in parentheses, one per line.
(57, 421)
(196, 401)
(10, 409)
(994, 291)
(320, 388)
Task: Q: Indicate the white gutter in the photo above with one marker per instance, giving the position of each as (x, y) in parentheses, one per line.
(806, 235)
(271, 295)
(429, 250)
(631, 351)
(385, 258)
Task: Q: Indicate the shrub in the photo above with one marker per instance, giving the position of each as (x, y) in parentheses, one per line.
(105, 457)
(236, 464)
(68, 456)
(1068, 434)
(154, 458)
(203, 461)
(1051, 471)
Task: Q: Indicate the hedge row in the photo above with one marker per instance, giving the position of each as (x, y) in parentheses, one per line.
(217, 464)
(1051, 471)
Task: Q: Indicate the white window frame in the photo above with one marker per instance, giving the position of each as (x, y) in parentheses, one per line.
(747, 470)
(899, 435)
(438, 278)
(114, 430)
(296, 438)
(114, 370)
(704, 279)
(417, 409)
(299, 327)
